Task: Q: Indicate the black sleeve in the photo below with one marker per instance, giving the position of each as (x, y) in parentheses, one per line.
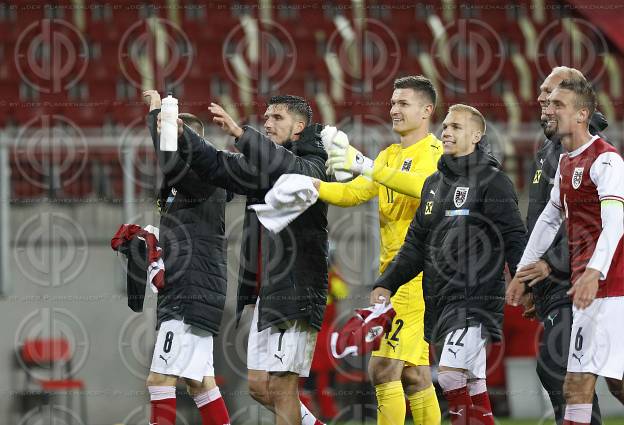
(272, 160)
(176, 170)
(410, 260)
(501, 206)
(558, 255)
(225, 169)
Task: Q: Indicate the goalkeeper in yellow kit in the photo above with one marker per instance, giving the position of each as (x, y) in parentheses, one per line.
(396, 176)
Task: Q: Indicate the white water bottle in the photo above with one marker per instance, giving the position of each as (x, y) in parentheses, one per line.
(169, 124)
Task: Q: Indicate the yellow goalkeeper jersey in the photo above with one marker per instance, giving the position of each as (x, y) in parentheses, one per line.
(398, 177)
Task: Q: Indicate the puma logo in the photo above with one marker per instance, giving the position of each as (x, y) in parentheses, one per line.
(552, 319)
(166, 360)
(281, 359)
(432, 192)
(458, 413)
(488, 414)
(454, 352)
(390, 344)
(578, 357)
(607, 163)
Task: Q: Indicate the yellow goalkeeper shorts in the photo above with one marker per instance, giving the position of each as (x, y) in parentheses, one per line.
(405, 341)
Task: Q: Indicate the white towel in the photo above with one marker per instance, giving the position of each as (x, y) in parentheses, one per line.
(290, 196)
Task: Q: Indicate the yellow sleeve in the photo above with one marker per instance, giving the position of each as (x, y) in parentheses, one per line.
(409, 183)
(339, 288)
(355, 192)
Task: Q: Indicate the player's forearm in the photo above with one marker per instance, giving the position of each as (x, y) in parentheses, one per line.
(409, 184)
(542, 236)
(612, 215)
(342, 194)
(403, 268)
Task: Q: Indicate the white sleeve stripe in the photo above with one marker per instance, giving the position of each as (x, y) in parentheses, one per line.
(611, 197)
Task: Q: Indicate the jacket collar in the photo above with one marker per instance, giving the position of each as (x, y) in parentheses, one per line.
(309, 143)
(467, 165)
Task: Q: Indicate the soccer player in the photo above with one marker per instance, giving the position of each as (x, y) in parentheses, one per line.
(588, 192)
(190, 306)
(284, 275)
(551, 273)
(401, 365)
(466, 227)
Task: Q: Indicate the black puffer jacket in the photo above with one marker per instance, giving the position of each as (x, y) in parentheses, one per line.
(287, 270)
(192, 237)
(467, 226)
(551, 293)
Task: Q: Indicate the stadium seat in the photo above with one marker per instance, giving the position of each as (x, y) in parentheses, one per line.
(50, 358)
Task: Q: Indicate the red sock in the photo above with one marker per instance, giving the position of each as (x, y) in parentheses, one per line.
(327, 402)
(481, 412)
(212, 408)
(163, 405)
(459, 404)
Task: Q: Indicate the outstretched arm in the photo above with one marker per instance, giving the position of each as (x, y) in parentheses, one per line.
(409, 261)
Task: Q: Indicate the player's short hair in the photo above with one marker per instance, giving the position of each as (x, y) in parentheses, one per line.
(475, 115)
(192, 120)
(568, 73)
(419, 84)
(584, 91)
(295, 104)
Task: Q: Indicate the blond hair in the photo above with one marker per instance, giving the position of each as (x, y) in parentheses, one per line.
(569, 73)
(474, 114)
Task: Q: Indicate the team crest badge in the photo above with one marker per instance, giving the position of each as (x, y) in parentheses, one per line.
(407, 164)
(461, 193)
(577, 177)
(373, 333)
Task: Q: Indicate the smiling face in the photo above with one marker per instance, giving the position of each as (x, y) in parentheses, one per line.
(410, 110)
(282, 125)
(561, 112)
(460, 133)
(550, 83)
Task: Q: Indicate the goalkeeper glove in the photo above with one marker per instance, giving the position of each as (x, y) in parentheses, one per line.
(344, 157)
(327, 136)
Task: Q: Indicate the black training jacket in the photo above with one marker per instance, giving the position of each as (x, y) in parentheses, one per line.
(466, 228)
(192, 237)
(287, 270)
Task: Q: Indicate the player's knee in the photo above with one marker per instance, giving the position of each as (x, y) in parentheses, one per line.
(158, 380)
(416, 378)
(194, 387)
(283, 386)
(258, 390)
(382, 370)
(574, 392)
